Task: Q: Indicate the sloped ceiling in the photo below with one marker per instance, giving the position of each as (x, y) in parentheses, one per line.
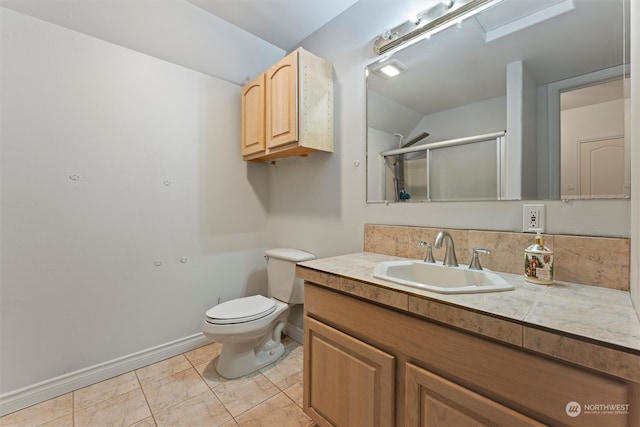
(234, 40)
(283, 23)
(173, 30)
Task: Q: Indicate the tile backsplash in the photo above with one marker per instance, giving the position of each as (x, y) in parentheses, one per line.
(597, 261)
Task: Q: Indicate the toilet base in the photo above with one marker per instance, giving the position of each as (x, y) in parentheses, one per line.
(239, 359)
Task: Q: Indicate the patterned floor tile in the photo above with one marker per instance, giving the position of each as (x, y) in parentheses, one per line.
(277, 411)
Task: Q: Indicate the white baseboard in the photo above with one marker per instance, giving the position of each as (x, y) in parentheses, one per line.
(294, 332)
(45, 390)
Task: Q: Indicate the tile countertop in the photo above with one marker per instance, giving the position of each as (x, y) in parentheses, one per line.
(588, 325)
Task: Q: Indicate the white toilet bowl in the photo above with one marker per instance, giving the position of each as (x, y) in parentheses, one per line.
(249, 328)
(249, 342)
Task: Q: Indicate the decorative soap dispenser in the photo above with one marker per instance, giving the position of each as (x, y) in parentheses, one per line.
(538, 262)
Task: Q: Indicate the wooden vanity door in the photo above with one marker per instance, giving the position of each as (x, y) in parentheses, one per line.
(432, 401)
(347, 382)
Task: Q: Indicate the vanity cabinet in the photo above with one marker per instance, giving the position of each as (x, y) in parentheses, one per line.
(381, 367)
(288, 110)
(350, 382)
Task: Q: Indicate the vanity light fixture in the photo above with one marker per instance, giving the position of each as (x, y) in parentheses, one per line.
(431, 21)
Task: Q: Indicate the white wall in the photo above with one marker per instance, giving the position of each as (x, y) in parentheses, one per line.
(390, 116)
(487, 116)
(113, 161)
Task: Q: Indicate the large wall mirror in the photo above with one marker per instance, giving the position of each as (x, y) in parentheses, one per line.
(528, 99)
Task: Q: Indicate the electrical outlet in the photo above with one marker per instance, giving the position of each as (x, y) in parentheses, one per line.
(533, 218)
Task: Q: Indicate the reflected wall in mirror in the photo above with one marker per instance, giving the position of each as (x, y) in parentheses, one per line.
(552, 74)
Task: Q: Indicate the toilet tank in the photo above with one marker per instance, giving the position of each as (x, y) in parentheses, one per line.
(281, 274)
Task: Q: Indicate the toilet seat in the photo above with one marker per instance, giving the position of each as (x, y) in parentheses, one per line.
(241, 310)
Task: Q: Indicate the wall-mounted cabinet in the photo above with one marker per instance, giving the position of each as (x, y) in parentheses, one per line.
(288, 110)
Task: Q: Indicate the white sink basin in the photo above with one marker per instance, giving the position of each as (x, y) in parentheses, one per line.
(438, 278)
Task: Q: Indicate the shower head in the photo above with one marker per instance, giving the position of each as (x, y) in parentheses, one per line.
(417, 138)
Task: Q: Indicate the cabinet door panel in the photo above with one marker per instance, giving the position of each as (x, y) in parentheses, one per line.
(348, 382)
(282, 105)
(253, 138)
(432, 401)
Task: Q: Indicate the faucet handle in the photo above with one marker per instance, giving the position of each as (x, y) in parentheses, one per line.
(429, 255)
(475, 260)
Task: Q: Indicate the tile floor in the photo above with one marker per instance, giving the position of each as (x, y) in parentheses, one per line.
(181, 391)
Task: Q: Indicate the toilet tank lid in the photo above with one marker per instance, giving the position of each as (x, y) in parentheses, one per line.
(295, 255)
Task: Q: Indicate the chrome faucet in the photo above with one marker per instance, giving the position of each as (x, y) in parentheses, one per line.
(450, 259)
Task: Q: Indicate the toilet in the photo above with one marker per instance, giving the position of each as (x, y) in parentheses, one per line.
(249, 328)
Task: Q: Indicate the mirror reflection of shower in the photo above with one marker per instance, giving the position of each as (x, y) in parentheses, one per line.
(470, 168)
(397, 165)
